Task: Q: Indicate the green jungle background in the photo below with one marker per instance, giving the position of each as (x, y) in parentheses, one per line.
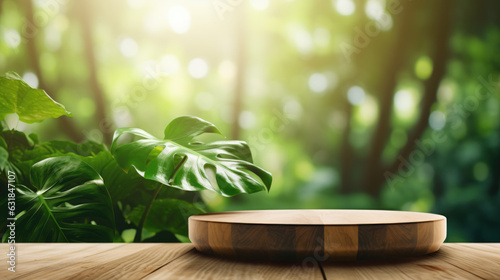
(365, 104)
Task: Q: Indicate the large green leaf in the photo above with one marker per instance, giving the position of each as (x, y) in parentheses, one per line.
(118, 183)
(23, 150)
(32, 105)
(70, 204)
(182, 162)
(166, 215)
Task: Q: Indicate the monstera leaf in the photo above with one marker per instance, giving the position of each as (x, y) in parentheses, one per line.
(32, 105)
(180, 161)
(69, 204)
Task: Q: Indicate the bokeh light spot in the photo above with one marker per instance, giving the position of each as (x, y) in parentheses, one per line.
(423, 67)
(318, 82)
(356, 95)
(404, 102)
(437, 120)
(129, 47)
(12, 38)
(31, 79)
(198, 68)
(247, 120)
(480, 171)
(344, 7)
(179, 19)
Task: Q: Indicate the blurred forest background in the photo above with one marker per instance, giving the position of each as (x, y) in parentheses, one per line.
(348, 103)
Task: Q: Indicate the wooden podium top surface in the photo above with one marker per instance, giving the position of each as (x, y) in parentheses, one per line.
(318, 217)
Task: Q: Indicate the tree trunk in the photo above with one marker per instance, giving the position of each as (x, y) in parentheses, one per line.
(396, 60)
(239, 85)
(66, 125)
(104, 124)
(439, 58)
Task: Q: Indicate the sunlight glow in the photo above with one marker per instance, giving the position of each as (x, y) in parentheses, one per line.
(169, 64)
(179, 19)
(301, 37)
(135, 4)
(321, 37)
(204, 101)
(129, 47)
(292, 108)
(318, 82)
(356, 95)
(154, 22)
(259, 4)
(198, 68)
(227, 69)
(344, 7)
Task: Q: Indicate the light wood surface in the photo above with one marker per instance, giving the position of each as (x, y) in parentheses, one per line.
(333, 234)
(318, 217)
(182, 261)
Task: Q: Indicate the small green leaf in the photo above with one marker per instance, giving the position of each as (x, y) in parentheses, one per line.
(32, 105)
(188, 127)
(69, 204)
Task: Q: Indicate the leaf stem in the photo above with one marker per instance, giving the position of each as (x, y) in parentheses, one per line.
(138, 233)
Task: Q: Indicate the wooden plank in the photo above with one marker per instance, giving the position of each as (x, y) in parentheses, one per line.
(427, 267)
(54, 259)
(69, 261)
(181, 261)
(135, 265)
(28, 253)
(476, 260)
(487, 247)
(195, 265)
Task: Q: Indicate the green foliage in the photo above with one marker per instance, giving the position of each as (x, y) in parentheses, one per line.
(166, 215)
(180, 161)
(74, 192)
(32, 105)
(68, 203)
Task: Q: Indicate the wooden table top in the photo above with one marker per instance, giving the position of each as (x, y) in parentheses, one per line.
(182, 261)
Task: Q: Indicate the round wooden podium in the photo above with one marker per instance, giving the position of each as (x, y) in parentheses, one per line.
(319, 234)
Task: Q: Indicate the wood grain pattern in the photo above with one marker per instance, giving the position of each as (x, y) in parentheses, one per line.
(195, 265)
(319, 234)
(181, 261)
(431, 266)
(341, 243)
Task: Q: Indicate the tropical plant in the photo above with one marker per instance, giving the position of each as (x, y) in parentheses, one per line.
(74, 192)
(179, 160)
